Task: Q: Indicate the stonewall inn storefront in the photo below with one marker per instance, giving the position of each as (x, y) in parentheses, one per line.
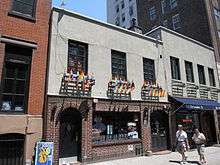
(89, 129)
(86, 129)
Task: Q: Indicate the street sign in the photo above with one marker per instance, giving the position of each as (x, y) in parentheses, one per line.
(44, 153)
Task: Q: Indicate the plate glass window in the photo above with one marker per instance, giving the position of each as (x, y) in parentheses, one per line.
(211, 77)
(119, 65)
(175, 68)
(189, 71)
(201, 74)
(24, 7)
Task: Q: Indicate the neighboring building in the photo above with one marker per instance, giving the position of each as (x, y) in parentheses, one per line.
(24, 29)
(213, 10)
(198, 19)
(121, 12)
(193, 88)
(97, 96)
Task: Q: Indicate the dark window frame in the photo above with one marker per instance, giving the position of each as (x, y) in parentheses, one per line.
(173, 74)
(146, 69)
(211, 73)
(11, 58)
(22, 15)
(191, 72)
(202, 71)
(85, 56)
(123, 61)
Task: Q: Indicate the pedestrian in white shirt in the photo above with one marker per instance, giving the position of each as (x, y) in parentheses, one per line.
(199, 139)
(182, 143)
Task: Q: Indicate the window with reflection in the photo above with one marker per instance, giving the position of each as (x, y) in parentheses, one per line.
(15, 79)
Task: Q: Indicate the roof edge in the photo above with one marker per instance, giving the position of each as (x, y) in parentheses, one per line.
(114, 27)
(180, 35)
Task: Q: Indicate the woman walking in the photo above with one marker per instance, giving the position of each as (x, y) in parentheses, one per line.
(199, 139)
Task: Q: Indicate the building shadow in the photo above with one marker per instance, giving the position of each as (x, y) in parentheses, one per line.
(179, 162)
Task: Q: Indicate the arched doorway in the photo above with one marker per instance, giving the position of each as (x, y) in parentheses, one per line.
(159, 121)
(70, 136)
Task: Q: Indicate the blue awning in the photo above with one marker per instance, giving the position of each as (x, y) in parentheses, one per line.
(198, 104)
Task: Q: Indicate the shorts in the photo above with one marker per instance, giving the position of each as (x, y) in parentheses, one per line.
(201, 149)
(181, 147)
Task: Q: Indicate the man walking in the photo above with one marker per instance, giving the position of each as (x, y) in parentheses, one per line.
(182, 143)
(199, 139)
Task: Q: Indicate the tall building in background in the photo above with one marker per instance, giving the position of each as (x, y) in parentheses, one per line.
(24, 27)
(198, 19)
(121, 12)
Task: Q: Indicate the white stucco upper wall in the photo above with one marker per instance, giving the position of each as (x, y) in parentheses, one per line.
(187, 49)
(101, 39)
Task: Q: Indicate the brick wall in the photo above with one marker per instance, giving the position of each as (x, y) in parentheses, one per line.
(2, 50)
(33, 31)
(90, 151)
(194, 20)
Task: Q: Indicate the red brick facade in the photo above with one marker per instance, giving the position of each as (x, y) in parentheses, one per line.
(35, 31)
(89, 150)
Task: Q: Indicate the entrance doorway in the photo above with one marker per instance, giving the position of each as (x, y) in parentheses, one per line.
(70, 136)
(159, 131)
(208, 127)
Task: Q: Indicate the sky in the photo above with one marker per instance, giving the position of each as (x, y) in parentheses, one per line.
(92, 8)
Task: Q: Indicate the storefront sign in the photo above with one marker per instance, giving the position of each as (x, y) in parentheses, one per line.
(187, 120)
(44, 153)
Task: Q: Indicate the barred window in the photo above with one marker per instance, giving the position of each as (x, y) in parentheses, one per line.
(78, 56)
(119, 64)
(211, 77)
(175, 68)
(189, 71)
(201, 74)
(149, 70)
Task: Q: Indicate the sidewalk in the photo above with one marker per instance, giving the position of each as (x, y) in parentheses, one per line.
(212, 155)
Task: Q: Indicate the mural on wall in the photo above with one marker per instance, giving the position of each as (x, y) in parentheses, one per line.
(77, 83)
(120, 88)
(152, 91)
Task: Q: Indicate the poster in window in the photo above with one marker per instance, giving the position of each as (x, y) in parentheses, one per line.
(44, 153)
(6, 105)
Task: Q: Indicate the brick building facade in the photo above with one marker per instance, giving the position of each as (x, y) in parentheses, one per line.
(24, 30)
(100, 105)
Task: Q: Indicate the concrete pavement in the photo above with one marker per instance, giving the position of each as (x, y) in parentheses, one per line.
(212, 155)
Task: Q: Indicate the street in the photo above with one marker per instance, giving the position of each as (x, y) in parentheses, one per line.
(212, 155)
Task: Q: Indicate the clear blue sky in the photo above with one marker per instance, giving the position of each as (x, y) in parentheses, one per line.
(92, 8)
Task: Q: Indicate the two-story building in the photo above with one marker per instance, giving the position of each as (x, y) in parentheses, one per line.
(24, 27)
(193, 84)
(106, 91)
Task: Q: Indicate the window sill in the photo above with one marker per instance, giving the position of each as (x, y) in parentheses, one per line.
(23, 16)
(117, 142)
(12, 112)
